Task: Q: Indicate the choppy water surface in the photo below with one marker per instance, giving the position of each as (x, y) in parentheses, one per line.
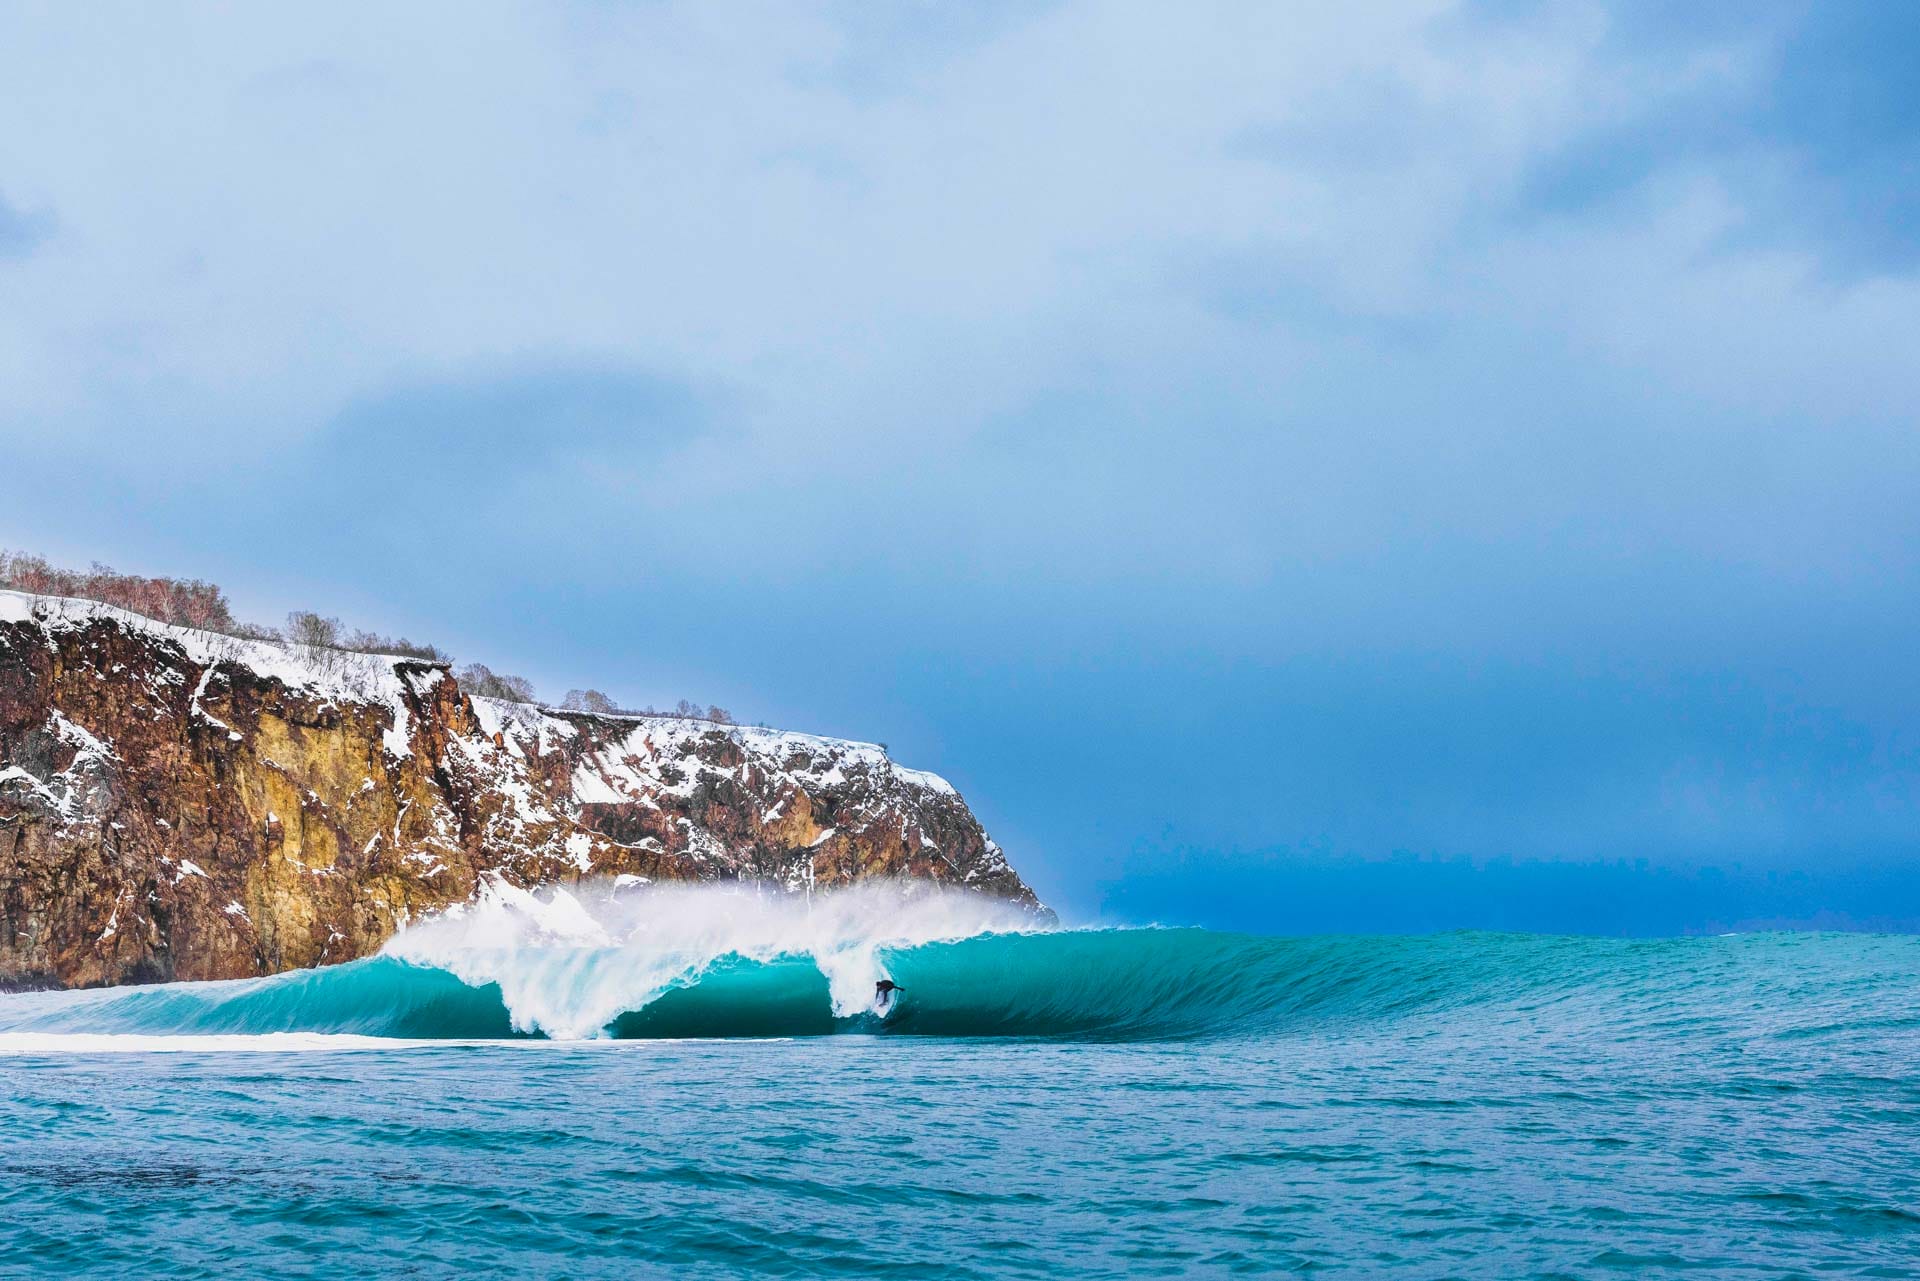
(1139, 1102)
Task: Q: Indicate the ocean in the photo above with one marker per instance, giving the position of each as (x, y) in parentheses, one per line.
(1066, 1103)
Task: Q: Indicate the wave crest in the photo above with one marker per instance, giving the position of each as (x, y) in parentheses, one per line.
(613, 961)
(616, 960)
(569, 962)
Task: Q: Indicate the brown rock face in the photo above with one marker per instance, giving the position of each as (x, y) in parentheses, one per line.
(181, 805)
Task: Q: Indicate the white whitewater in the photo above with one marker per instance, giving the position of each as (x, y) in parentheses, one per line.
(568, 961)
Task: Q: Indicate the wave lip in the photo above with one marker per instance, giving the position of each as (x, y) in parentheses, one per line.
(572, 963)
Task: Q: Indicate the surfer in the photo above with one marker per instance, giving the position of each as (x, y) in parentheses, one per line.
(883, 993)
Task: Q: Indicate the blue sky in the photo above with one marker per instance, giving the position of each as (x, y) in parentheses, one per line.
(1413, 466)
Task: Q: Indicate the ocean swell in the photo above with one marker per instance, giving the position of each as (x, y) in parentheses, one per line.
(1100, 984)
(615, 962)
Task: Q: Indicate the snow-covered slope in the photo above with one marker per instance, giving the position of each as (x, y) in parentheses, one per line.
(176, 803)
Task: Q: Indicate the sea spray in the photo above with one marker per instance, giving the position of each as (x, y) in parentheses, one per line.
(569, 961)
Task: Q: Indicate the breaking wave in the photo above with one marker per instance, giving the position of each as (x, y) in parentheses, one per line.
(638, 962)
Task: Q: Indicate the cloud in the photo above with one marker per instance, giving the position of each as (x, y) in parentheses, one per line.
(1133, 359)
(20, 232)
(492, 427)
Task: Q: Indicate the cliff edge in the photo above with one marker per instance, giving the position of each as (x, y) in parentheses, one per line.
(182, 804)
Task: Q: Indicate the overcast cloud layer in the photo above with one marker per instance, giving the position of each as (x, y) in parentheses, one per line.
(1271, 459)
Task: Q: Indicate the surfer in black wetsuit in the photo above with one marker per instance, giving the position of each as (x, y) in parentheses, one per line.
(883, 993)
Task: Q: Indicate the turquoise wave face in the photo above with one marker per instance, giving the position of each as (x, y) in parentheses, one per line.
(1129, 984)
(379, 996)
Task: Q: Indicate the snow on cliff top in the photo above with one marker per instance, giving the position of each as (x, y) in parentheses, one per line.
(326, 673)
(296, 666)
(373, 678)
(631, 761)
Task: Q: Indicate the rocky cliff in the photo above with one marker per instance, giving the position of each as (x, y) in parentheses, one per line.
(179, 804)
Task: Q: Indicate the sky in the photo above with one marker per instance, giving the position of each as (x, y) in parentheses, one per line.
(1392, 466)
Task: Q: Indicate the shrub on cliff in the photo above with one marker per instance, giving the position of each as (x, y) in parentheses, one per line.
(478, 678)
(592, 700)
(686, 710)
(375, 643)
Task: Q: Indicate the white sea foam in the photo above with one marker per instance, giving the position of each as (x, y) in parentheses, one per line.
(16, 1043)
(568, 961)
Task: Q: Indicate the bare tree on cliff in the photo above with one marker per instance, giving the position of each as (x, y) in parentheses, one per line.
(304, 627)
(185, 602)
(320, 635)
(589, 700)
(478, 678)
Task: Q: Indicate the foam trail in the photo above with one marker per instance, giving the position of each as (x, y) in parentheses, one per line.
(568, 962)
